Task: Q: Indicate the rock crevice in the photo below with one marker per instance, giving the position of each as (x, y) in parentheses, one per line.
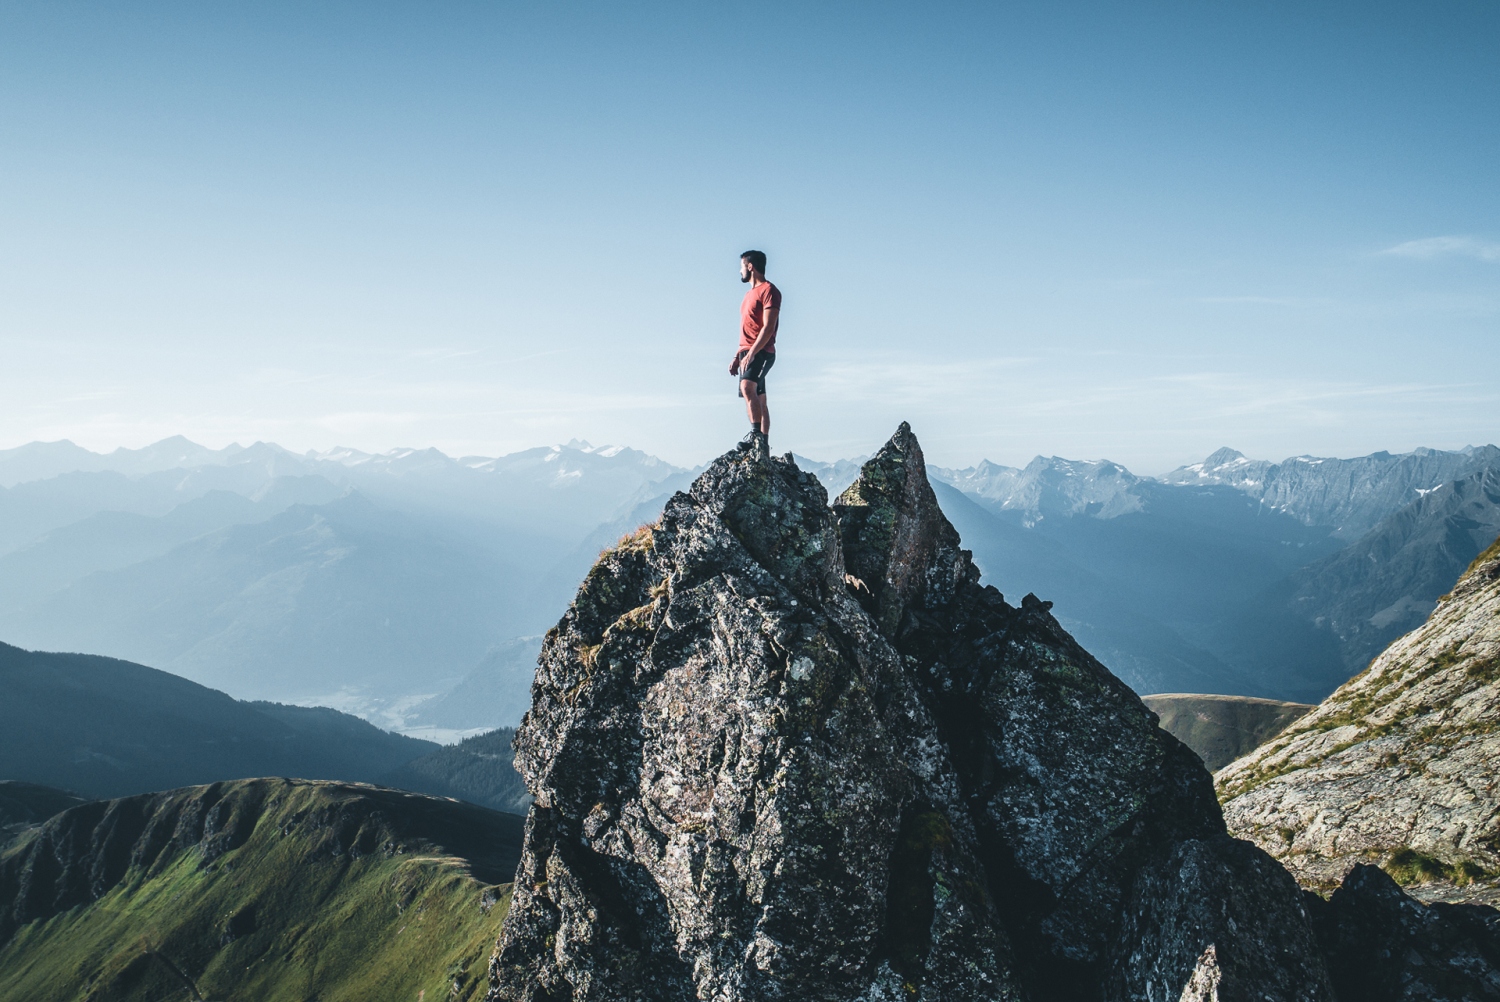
(788, 750)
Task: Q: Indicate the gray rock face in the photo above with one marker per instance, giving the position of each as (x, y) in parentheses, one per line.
(1383, 946)
(1397, 766)
(783, 751)
(1208, 892)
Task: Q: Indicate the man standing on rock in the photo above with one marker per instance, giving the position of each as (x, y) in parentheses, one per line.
(760, 314)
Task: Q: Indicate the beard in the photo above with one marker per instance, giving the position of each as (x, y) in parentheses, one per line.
(745, 277)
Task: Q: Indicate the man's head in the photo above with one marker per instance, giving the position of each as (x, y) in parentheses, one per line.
(752, 263)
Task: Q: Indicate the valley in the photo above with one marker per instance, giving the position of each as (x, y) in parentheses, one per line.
(402, 587)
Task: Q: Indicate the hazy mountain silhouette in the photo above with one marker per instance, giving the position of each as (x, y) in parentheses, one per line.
(1348, 495)
(277, 575)
(382, 579)
(1340, 612)
(1232, 575)
(105, 728)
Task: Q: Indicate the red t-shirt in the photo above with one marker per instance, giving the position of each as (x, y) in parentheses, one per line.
(758, 300)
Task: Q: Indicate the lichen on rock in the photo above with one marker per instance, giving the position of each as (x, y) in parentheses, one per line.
(782, 750)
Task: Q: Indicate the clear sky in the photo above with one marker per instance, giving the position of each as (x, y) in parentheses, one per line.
(1137, 231)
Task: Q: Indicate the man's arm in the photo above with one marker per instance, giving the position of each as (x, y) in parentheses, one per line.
(773, 317)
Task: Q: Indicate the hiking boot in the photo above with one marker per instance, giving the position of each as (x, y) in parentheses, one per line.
(747, 444)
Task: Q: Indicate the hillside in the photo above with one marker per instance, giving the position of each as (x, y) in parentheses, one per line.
(1142, 581)
(479, 769)
(1398, 766)
(258, 889)
(104, 727)
(26, 805)
(498, 690)
(1232, 575)
(1222, 728)
(1386, 583)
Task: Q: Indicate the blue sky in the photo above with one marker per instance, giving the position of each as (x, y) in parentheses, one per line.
(1134, 231)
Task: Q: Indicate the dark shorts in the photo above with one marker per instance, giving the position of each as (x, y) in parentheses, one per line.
(756, 370)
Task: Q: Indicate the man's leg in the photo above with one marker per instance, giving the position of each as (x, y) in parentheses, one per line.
(764, 407)
(752, 401)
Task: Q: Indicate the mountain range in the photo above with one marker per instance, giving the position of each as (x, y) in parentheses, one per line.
(341, 578)
(398, 586)
(1233, 576)
(782, 746)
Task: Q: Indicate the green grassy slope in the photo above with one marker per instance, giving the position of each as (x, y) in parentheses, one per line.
(260, 890)
(1222, 728)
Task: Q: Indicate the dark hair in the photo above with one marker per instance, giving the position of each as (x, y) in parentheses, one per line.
(757, 260)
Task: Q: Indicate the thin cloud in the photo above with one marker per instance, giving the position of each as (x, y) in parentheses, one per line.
(1431, 248)
(1252, 300)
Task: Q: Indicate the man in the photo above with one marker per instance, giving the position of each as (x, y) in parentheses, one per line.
(760, 313)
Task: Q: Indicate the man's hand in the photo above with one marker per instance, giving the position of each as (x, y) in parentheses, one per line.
(734, 363)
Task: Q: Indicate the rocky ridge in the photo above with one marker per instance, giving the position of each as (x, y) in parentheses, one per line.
(256, 889)
(1051, 486)
(1397, 766)
(781, 750)
(1350, 495)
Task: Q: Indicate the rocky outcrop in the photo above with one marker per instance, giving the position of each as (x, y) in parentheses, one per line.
(1384, 946)
(785, 751)
(1397, 767)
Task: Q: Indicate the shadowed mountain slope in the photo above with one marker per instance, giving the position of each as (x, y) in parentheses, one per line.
(258, 889)
(498, 689)
(1386, 583)
(26, 805)
(110, 728)
(479, 769)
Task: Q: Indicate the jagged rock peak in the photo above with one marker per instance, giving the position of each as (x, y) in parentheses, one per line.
(898, 544)
(786, 751)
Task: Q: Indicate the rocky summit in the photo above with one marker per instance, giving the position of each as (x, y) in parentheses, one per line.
(786, 750)
(1398, 766)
